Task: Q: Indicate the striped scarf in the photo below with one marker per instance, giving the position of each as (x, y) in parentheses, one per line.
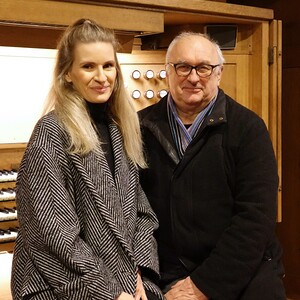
(183, 136)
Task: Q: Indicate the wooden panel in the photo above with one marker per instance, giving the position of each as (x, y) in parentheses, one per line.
(11, 155)
(235, 79)
(292, 42)
(162, 41)
(143, 61)
(32, 37)
(37, 12)
(259, 73)
(39, 37)
(275, 101)
(207, 7)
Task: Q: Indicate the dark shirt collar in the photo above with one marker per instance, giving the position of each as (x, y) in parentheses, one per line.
(98, 111)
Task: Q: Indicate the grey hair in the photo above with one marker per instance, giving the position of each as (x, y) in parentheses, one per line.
(189, 34)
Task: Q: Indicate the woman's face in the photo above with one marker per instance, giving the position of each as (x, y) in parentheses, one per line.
(93, 72)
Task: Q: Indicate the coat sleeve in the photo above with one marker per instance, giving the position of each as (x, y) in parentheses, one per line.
(242, 246)
(50, 230)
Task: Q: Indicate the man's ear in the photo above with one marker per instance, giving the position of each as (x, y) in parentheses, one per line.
(220, 71)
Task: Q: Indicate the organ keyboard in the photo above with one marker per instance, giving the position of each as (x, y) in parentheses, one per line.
(8, 235)
(8, 175)
(7, 194)
(8, 212)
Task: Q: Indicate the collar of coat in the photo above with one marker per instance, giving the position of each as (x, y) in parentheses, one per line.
(155, 119)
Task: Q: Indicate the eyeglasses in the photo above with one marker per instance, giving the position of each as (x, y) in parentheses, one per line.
(203, 70)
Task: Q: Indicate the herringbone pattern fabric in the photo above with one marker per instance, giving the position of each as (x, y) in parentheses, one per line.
(83, 231)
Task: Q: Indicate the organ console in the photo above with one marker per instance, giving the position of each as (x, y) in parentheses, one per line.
(136, 94)
(149, 94)
(149, 74)
(7, 194)
(162, 93)
(8, 219)
(162, 74)
(8, 210)
(8, 175)
(7, 214)
(136, 74)
(8, 235)
(10, 158)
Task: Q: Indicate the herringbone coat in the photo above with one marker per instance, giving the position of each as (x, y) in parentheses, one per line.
(83, 231)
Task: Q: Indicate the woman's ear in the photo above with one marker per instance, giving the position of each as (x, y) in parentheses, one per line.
(68, 78)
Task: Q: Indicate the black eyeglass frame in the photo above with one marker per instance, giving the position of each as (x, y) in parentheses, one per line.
(194, 67)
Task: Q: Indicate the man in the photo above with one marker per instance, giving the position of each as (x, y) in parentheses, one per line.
(212, 181)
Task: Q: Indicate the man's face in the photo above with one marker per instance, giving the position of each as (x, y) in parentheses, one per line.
(191, 92)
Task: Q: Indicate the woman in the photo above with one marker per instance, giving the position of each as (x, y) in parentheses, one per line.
(86, 227)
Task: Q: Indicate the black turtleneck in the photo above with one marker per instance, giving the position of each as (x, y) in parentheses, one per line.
(99, 114)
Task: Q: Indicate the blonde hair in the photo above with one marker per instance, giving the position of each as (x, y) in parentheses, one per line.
(70, 107)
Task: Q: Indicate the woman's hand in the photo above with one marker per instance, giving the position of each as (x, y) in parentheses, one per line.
(140, 291)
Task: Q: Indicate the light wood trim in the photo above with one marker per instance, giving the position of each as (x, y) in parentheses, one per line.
(275, 101)
(264, 43)
(235, 78)
(273, 89)
(9, 247)
(143, 57)
(13, 146)
(260, 71)
(279, 115)
(199, 6)
(10, 157)
(63, 13)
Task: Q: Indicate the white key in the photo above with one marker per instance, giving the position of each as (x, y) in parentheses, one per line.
(8, 237)
(7, 194)
(6, 216)
(8, 175)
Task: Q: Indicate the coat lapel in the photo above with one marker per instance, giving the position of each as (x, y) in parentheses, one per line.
(157, 122)
(106, 190)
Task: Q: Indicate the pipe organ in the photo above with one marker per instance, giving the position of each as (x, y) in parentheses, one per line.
(251, 72)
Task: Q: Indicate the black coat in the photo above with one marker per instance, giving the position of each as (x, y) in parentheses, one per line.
(217, 205)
